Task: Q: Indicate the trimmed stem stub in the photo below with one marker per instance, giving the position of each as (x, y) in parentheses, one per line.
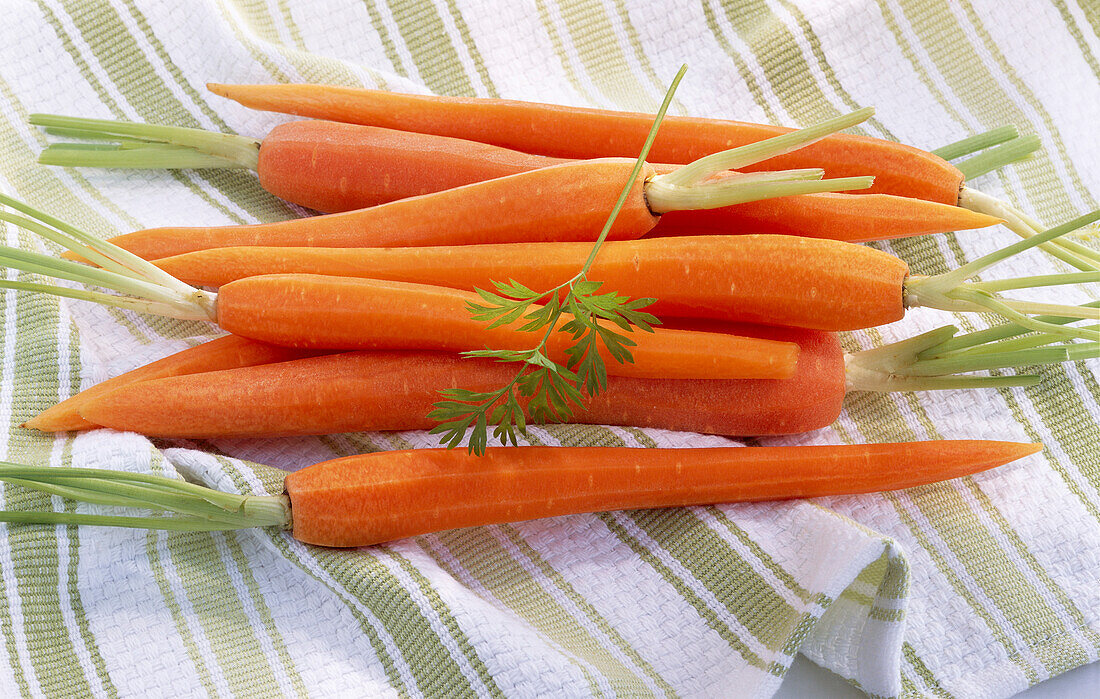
(922, 364)
(950, 292)
(144, 286)
(711, 181)
(1072, 253)
(144, 145)
(182, 506)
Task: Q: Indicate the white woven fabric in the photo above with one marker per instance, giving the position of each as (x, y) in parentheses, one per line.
(974, 588)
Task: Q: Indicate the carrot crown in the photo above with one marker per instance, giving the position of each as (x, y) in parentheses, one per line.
(702, 185)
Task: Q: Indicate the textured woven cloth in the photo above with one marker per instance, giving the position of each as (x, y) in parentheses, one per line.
(972, 588)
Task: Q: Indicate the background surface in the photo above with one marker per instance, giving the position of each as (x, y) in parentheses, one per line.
(974, 588)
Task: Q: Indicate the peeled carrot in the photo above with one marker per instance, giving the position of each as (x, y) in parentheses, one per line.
(372, 391)
(516, 209)
(851, 217)
(328, 166)
(339, 167)
(319, 312)
(574, 132)
(227, 352)
(372, 498)
(773, 280)
(562, 202)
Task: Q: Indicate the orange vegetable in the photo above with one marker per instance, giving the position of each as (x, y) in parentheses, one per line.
(517, 209)
(773, 280)
(851, 217)
(319, 312)
(227, 352)
(328, 166)
(372, 498)
(575, 132)
(568, 202)
(371, 391)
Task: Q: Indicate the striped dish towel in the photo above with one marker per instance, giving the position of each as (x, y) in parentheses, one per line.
(975, 588)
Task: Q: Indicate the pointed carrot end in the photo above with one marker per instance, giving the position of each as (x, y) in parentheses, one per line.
(218, 89)
(969, 220)
(56, 419)
(1029, 449)
(1000, 453)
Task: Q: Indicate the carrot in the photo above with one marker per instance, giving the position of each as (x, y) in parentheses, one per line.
(222, 353)
(372, 391)
(849, 217)
(418, 492)
(774, 280)
(379, 391)
(319, 312)
(574, 132)
(335, 167)
(507, 209)
(373, 498)
(512, 209)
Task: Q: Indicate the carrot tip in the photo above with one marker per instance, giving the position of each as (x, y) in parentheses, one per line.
(1034, 448)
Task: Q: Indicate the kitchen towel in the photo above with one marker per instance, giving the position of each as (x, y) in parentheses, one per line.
(978, 587)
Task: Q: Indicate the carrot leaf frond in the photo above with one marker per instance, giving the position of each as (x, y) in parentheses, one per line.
(544, 390)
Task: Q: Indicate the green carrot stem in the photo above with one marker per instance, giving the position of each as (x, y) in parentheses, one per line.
(663, 197)
(974, 267)
(1025, 340)
(80, 494)
(142, 157)
(997, 157)
(1037, 281)
(204, 508)
(975, 300)
(638, 163)
(129, 303)
(130, 493)
(176, 523)
(992, 360)
(90, 135)
(83, 250)
(244, 152)
(38, 263)
(994, 334)
(1073, 254)
(977, 142)
(741, 157)
(860, 379)
(1082, 351)
(96, 249)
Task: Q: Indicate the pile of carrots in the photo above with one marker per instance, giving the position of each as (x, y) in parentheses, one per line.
(354, 320)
